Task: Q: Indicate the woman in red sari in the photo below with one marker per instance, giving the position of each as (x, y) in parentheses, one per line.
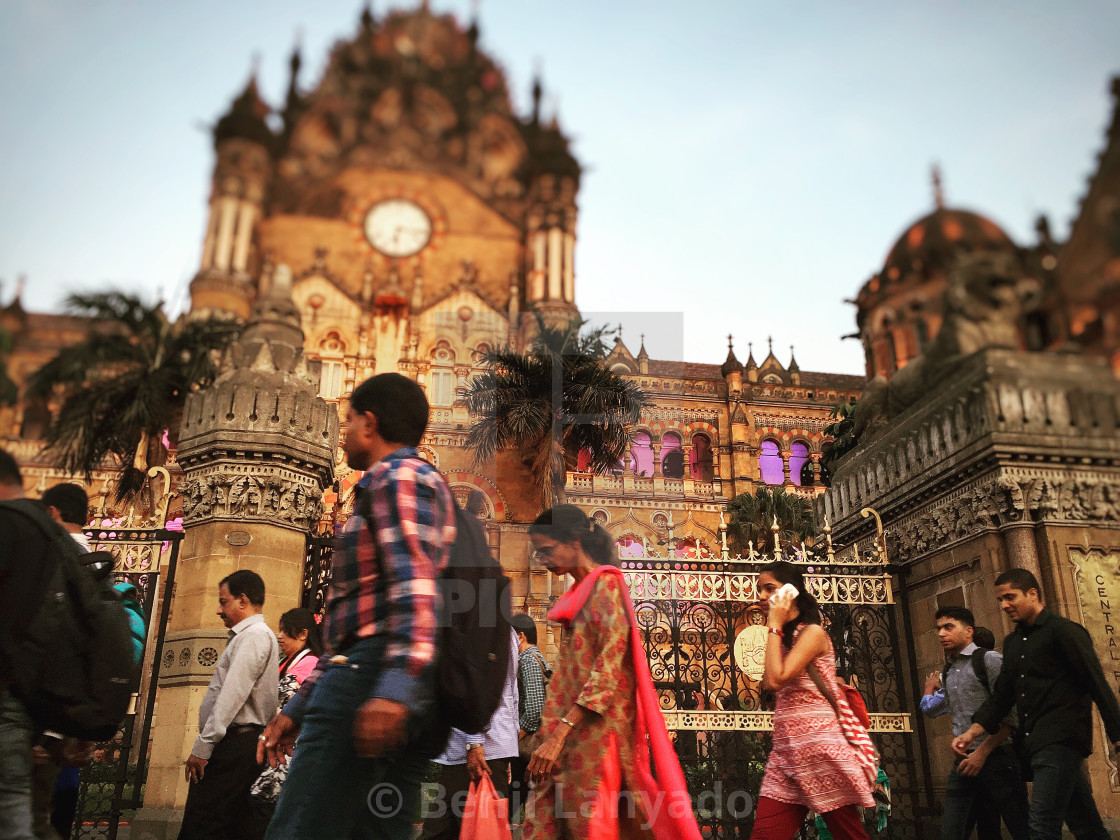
(811, 766)
(602, 724)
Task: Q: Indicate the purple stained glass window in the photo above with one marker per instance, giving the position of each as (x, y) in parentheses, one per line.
(798, 455)
(770, 463)
(643, 455)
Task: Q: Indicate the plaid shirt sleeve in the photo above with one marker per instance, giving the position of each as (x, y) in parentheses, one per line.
(414, 518)
(532, 684)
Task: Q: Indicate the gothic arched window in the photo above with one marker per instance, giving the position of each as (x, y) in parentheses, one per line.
(770, 463)
(798, 457)
(701, 460)
(441, 377)
(672, 456)
(643, 455)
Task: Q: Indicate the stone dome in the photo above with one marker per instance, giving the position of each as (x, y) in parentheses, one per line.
(930, 244)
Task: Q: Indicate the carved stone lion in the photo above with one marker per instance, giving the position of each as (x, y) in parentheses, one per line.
(987, 295)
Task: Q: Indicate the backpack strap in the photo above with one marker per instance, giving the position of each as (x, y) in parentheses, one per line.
(546, 672)
(980, 668)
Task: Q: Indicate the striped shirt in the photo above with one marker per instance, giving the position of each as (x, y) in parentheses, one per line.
(384, 572)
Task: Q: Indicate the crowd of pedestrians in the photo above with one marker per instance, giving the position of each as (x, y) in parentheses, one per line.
(326, 726)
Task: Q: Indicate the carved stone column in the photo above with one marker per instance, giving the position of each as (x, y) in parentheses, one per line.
(257, 451)
(1022, 550)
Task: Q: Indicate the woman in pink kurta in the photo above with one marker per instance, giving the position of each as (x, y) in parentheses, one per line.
(601, 726)
(811, 767)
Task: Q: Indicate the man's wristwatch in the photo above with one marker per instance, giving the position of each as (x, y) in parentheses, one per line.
(473, 746)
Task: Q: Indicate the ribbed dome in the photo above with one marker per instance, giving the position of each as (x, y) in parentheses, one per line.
(930, 243)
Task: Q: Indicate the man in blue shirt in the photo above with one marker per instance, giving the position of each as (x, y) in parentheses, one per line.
(989, 777)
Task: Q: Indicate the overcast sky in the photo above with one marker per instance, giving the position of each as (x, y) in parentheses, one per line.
(747, 165)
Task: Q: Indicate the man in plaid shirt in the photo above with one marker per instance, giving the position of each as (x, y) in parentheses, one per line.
(362, 715)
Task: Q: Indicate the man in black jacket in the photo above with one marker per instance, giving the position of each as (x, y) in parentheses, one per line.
(23, 580)
(1052, 676)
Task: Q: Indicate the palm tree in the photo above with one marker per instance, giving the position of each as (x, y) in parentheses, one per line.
(125, 384)
(551, 402)
(752, 518)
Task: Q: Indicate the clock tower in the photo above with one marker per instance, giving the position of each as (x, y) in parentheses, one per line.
(422, 219)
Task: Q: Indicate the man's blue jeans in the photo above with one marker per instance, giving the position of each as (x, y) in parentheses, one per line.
(998, 787)
(15, 770)
(1062, 794)
(333, 794)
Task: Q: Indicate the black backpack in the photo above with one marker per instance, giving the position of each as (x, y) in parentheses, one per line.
(978, 668)
(72, 663)
(472, 617)
(475, 636)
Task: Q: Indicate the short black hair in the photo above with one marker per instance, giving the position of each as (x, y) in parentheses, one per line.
(245, 582)
(962, 614)
(983, 637)
(523, 623)
(399, 405)
(9, 469)
(71, 501)
(1020, 579)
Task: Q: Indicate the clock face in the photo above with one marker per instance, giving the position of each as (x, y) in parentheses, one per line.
(398, 227)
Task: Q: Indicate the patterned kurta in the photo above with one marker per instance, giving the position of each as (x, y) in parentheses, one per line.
(594, 670)
(812, 762)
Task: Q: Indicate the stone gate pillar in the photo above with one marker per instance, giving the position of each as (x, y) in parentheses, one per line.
(257, 451)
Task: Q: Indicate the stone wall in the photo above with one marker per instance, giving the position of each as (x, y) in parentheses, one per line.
(1013, 461)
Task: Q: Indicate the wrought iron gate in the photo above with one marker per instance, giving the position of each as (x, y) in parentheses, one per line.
(113, 783)
(691, 613)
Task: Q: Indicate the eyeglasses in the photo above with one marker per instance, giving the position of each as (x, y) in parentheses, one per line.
(543, 553)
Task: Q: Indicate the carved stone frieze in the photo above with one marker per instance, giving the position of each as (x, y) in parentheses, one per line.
(1011, 496)
(250, 492)
(788, 423)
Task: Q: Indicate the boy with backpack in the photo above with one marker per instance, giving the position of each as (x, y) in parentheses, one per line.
(533, 674)
(989, 777)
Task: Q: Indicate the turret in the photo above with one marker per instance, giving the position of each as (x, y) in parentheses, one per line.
(794, 368)
(732, 371)
(750, 367)
(244, 145)
(551, 220)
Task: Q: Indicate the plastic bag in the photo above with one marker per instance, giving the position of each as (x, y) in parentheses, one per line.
(486, 815)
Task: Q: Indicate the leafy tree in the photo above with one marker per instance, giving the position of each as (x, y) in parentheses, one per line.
(125, 384)
(552, 401)
(752, 518)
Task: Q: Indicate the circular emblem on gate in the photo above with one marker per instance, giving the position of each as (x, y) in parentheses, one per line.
(238, 538)
(207, 656)
(750, 651)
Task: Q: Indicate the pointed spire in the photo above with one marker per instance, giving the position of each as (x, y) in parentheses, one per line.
(730, 363)
(793, 366)
(538, 91)
(938, 190)
(751, 363)
(367, 16)
(642, 354)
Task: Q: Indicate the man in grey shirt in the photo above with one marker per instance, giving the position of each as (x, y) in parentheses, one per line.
(241, 699)
(990, 777)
